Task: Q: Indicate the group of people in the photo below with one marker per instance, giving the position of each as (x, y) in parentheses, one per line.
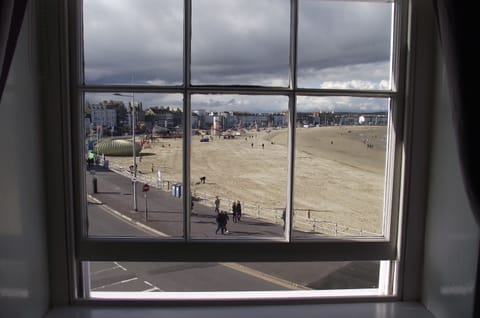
(222, 216)
(94, 159)
(236, 211)
(222, 220)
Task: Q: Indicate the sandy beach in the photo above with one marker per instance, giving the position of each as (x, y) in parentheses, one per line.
(339, 171)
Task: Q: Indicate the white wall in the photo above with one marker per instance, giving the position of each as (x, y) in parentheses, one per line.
(452, 236)
(23, 252)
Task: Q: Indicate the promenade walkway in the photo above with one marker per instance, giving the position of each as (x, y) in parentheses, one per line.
(165, 213)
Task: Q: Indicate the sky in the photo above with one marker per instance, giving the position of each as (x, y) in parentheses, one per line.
(341, 45)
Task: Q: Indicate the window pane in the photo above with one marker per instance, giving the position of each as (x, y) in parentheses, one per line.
(240, 42)
(133, 42)
(148, 277)
(340, 166)
(116, 205)
(239, 154)
(344, 44)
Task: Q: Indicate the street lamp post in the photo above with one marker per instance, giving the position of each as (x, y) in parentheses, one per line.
(134, 177)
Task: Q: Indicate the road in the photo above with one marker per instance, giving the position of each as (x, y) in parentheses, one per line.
(110, 214)
(149, 276)
(165, 212)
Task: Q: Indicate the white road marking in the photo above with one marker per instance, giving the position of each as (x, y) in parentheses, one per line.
(126, 219)
(150, 290)
(116, 283)
(266, 277)
(154, 288)
(106, 269)
(120, 266)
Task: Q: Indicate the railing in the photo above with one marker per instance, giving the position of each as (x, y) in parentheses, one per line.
(304, 220)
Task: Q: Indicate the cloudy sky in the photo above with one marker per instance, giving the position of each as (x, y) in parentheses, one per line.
(341, 44)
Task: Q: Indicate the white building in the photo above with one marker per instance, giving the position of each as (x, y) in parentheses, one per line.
(103, 116)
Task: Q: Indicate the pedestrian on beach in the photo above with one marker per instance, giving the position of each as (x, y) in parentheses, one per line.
(234, 211)
(217, 204)
(239, 211)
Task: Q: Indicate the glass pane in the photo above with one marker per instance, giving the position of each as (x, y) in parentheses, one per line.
(344, 44)
(340, 157)
(239, 154)
(237, 42)
(117, 206)
(161, 278)
(133, 42)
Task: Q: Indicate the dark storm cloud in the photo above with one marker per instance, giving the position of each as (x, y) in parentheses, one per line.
(342, 44)
(139, 40)
(335, 33)
(248, 38)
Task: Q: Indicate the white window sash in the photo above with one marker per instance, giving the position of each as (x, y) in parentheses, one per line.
(330, 249)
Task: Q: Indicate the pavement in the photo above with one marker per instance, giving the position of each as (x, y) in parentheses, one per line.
(163, 212)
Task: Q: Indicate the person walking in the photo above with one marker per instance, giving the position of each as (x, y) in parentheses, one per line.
(234, 211)
(222, 220)
(219, 221)
(225, 221)
(91, 159)
(217, 204)
(239, 211)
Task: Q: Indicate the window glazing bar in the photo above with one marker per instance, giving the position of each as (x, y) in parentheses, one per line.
(187, 44)
(292, 114)
(186, 165)
(291, 168)
(293, 43)
(241, 90)
(124, 249)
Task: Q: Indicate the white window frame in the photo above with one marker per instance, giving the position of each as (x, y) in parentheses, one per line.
(81, 248)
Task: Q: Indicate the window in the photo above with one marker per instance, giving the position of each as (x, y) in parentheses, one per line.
(281, 117)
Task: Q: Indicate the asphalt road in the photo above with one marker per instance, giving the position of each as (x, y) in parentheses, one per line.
(165, 212)
(166, 276)
(110, 214)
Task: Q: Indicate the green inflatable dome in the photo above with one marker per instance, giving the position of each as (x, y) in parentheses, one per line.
(116, 147)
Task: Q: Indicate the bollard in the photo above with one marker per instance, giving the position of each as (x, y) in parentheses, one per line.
(94, 181)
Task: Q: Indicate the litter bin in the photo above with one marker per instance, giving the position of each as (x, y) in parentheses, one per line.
(94, 182)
